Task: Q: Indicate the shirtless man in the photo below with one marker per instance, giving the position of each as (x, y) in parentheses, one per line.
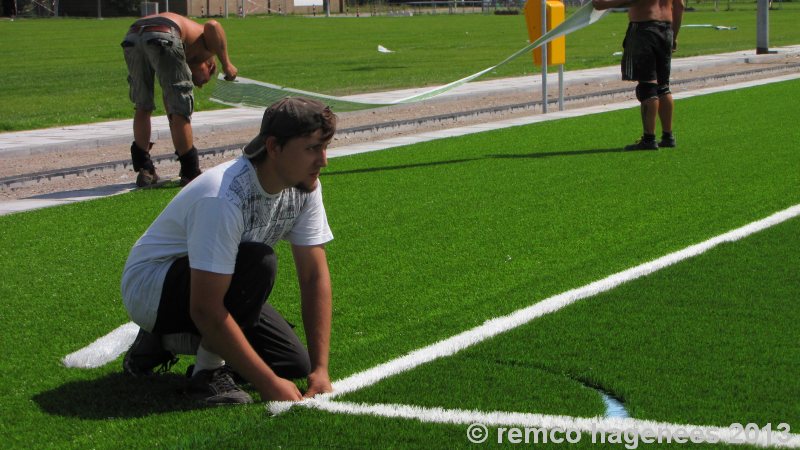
(651, 38)
(181, 53)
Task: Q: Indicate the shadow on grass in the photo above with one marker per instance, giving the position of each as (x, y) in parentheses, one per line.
(400, 167)
(374, 68)
(118, 395)
(464, 160)
(567, 153)
(106, 190)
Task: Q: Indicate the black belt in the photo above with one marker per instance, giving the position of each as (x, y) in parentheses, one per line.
(154, 28)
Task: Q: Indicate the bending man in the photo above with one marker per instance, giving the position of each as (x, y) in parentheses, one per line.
(203, 270)
(181, 53)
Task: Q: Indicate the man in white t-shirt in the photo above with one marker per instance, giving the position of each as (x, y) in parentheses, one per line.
(197, 281)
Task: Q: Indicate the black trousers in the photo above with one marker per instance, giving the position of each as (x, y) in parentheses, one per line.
(267, 331)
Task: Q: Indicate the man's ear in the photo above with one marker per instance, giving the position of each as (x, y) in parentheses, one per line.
(272, 146)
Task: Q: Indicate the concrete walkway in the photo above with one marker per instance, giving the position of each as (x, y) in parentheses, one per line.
(119, 132)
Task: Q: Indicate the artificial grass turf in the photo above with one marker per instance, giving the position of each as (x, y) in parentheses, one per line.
(708, 341)
(69, 71)
(431, 240)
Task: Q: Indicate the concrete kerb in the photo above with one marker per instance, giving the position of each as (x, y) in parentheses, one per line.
(118, 132)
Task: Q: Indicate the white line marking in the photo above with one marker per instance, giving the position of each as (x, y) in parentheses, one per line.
(493, 327)
(104, 349)
(597, 426)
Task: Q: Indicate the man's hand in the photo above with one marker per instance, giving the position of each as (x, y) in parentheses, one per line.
(674, 45)
(318, 383)
(230, 72)
(281, 389)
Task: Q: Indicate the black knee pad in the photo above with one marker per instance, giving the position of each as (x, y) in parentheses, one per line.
(663, 89)
(141, 158)
(190, 164)
(646, 91)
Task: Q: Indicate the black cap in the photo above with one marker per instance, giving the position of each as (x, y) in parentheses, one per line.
(286, 118)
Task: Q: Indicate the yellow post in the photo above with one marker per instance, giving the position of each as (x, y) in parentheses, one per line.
(557, 48)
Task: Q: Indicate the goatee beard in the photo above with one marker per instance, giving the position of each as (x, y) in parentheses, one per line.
(302, 187)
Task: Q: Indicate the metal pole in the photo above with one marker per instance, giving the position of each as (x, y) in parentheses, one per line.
(226, 9)
(544, 58)
(99, 13)
(55, 8)
(762, 27)
(560, 87)
(166, 6)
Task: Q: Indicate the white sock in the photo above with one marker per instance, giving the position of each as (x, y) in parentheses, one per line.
(205, 360)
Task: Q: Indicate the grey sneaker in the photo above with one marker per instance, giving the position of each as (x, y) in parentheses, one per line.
(147, 354)
(216, 387)
(641, 144)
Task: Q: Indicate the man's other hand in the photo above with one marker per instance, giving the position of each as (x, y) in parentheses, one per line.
(318, 383)
(281, 390)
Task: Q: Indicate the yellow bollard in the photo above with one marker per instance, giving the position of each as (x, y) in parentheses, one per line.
(557, 48)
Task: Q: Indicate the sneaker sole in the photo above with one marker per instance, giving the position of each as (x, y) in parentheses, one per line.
(223, 400)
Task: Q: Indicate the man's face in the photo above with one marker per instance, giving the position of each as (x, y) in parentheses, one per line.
(300, 160)
(202, 72)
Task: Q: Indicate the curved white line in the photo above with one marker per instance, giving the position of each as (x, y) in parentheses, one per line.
(104, 349)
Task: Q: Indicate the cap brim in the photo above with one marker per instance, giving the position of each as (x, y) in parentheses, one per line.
(255, 147)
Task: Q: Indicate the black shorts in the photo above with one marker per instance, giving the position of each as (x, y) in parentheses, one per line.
(647, 52)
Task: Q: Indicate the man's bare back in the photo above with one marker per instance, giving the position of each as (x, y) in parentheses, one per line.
(202, 42)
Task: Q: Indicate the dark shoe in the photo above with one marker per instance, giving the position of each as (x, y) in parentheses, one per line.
(146, 178)
(216, 387)
(667, 141)
(147, 354)
(641, 144)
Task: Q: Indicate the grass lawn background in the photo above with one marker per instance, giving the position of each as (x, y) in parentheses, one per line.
(70, 71)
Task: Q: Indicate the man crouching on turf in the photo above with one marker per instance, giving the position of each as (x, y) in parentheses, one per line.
(198, 279)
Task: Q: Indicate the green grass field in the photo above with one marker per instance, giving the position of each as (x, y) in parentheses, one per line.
(479, 226)
(70, 71)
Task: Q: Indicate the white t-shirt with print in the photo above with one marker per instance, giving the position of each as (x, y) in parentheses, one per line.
(208, 220)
